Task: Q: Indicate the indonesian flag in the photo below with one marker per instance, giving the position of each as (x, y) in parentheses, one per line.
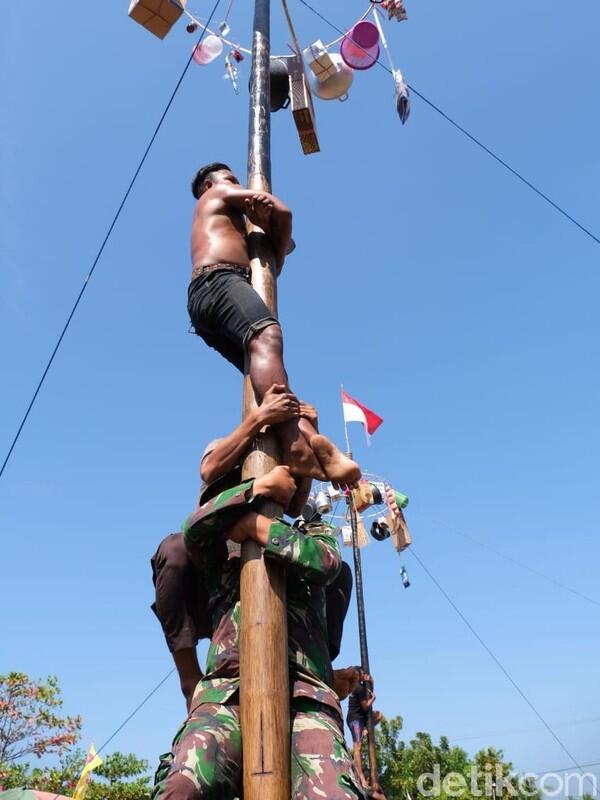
(356, 412)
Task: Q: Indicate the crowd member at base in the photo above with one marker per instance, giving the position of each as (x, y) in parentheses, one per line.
(206, 758)
(360, 703)
(181, 602)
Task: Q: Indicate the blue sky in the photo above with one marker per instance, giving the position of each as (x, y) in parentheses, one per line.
(439, 290)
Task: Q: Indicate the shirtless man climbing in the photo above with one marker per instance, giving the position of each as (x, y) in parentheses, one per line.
(232, 318)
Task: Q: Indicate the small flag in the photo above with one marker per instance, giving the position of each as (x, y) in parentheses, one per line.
(92, 761)
(356, 412)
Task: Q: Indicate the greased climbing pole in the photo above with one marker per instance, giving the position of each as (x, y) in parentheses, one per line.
(264, 692)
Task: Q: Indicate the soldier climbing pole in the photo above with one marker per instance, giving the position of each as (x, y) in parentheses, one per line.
(264, 691)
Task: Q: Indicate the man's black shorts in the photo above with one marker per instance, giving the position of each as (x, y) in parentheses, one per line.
(226, 312)
(357, 729)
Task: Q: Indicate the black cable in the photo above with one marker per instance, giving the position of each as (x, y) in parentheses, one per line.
(499, 664)
(104, 242)
(137, 708)
(512, 560)
(517, 731)
(566, 769)
(470, 136)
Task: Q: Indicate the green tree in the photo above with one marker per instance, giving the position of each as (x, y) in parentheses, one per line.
(121, 777)
(408, 771)
(401, 765)
(30, 723)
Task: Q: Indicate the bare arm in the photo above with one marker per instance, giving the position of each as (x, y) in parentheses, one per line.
(268, 212)
(228, 452)
(277, 406)
(366, 704)
(237, 196)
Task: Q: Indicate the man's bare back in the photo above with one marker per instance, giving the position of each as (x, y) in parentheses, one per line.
(219, 226)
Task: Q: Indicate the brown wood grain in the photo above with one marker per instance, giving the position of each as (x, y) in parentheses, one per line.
(302, 106)
(264, 689)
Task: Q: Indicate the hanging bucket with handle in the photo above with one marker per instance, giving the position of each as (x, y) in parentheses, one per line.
(360, 46)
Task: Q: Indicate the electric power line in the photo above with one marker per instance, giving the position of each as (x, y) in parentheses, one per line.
(498, 662)
(104, 243)
(566, 769)
(470, 136)
(515, 731)
(137, 708)
(518, 563)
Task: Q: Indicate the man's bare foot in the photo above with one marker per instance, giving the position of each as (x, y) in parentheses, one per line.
(296, 453)
(345, 681)
(340, 469)
(304, 464)
(298, 501)
(277, 484)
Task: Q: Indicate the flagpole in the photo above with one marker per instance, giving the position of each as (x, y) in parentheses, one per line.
(362, 635)
(360, 607)
(348, 451)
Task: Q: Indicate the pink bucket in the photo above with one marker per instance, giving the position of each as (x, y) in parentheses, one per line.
(360, 46)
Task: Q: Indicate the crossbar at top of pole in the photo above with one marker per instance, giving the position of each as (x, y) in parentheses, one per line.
(264, 683)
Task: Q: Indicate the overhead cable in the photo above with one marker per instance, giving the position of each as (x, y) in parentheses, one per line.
(499, 664)
(102, 246)
(470, 136)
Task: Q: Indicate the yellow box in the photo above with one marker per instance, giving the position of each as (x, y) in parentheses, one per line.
(157, 16)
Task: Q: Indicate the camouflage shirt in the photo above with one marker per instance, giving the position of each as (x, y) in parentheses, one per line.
(311, 557)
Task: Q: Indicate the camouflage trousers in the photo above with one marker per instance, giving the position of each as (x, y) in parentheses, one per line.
(206, 761)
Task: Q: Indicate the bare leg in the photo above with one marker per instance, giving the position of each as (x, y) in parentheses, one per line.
(340, 469)
(358, 763)
(265, 354)
(307, 453)
(298, 501)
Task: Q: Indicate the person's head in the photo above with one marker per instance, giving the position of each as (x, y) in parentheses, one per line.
(209, 175)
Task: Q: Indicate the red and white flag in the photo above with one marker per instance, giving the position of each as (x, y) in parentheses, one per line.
(356, 412)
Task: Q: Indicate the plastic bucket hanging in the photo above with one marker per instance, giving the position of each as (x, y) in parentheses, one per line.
(280, 84)
(336, 86)
(209, 48)
(360, 46)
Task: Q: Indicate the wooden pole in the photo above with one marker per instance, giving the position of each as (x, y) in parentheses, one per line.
(264, 691)
(362, 635)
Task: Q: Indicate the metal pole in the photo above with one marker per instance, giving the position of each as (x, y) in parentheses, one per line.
(362, 634)
(264, 690)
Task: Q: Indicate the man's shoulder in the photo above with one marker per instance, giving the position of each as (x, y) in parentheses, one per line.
(210, 201)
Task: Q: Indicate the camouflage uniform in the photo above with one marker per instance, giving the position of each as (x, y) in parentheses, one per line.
(206, 757)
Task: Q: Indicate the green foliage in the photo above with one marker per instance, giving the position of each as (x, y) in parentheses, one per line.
(13, 776)
(29, 719)
(408, 771)
(121, 777)
(124, 777)
(30, 725)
